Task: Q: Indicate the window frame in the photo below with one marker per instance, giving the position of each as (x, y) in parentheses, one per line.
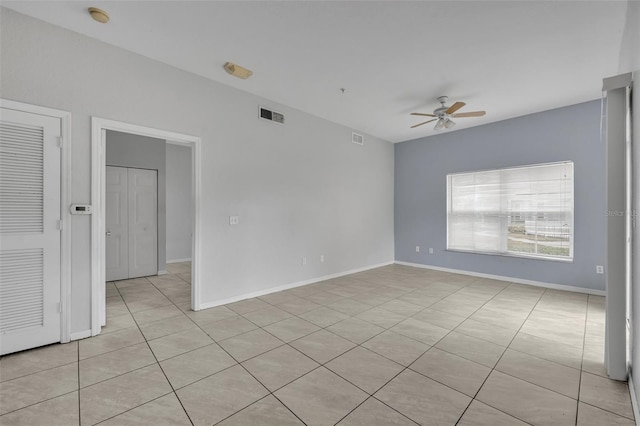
(504, 214)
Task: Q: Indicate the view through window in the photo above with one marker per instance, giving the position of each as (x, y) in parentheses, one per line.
(518, 211)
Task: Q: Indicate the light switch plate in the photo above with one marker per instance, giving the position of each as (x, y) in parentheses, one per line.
(234, 220)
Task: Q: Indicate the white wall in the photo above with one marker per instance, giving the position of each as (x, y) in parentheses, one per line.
(179, 208)
(302, 189)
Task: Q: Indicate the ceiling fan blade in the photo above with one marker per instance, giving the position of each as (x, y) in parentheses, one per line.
(469, 114)
(453, 108)
(421, 114)
(420, 124)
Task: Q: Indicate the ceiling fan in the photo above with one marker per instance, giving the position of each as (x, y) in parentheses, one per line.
(444, 114)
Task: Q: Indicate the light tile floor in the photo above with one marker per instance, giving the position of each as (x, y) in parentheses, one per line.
(391, 346)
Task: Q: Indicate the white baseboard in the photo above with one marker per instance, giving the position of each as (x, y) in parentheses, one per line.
(509, 279)
(163, 272)
(188, 259)
(80, 335)
(288, 286)
(634, 398)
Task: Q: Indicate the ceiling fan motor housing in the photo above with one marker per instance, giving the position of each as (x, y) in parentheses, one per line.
(440, 112)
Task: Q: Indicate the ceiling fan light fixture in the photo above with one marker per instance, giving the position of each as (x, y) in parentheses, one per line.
(445, 113)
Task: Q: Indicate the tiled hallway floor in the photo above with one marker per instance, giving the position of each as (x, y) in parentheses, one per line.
(390, 346)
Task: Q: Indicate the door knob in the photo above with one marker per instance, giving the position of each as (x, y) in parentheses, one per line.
(108, 233)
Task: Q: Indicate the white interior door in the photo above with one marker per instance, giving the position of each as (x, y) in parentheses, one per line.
(29, 230)
(116, 223)
(131, 223)
(143, 222)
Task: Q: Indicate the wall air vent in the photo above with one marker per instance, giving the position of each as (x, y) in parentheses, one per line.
(356, 138)
(271, 115)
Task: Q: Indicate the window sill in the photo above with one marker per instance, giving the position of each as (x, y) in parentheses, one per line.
(519, 256)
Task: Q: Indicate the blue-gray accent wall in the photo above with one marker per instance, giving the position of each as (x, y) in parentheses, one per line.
(569, 133)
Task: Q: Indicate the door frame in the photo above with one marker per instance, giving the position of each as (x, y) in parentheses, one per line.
(66, 166)
(99, 126)
(618, 244)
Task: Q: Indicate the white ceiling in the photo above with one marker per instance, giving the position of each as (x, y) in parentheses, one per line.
(393, 57)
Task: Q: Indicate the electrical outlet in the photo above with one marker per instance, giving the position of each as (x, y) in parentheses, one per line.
(304, 261)
(322, 258)
(599, 269)
(234, 220)
(417, 249)
(430, 250)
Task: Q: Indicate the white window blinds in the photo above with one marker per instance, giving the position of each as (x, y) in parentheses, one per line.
(521, 211)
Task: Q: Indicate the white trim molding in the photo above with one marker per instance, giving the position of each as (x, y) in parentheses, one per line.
(634, 397)
(187, 259)
(553, 286)
(618, 231)
(289, 286)
(65, 197)
(99, 126)
(80, 334)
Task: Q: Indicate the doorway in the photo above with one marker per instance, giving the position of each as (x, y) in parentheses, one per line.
(98, 226)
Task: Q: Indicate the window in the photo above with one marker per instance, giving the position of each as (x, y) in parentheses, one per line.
(521, 211)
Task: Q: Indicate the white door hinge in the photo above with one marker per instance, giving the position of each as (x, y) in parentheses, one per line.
(60, 225)
(60, 141)
(59, 307)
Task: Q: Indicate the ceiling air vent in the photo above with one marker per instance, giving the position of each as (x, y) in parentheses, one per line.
(356, 138)
(271, 115)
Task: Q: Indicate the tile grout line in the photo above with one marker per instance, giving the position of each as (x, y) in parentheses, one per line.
(78, 366)
(608, 411)
(36, 403)
(584, 339)
(503, 352)
(466, 318)
(497, 362)
(237, 363)
(385, 329)
(48, 369)
(404, 367)
(272, 393)
(350, 316)
(158, 363)
(320, 364)
(39, 371)
(324, 327)
(408, 366)
(133, 408)
(593, 374)
(506, 348)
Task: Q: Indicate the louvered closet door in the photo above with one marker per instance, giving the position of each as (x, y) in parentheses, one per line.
(29, 234)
